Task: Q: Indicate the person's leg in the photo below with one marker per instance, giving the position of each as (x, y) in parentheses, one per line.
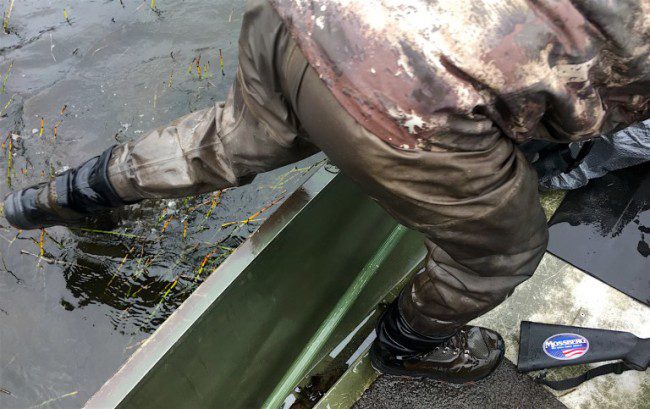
(479, 208)
(253, 131)
(208, 150)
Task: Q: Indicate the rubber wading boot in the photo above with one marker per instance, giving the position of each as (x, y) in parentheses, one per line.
(468, 355)
(68, 200)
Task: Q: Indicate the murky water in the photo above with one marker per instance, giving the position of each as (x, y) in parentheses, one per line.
(75, 304)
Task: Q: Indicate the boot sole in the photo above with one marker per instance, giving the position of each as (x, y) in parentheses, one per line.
(395, 371)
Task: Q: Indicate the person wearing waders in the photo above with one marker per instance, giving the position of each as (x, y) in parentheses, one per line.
(423, 104)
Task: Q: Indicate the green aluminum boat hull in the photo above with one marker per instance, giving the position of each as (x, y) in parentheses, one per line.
(275, 308)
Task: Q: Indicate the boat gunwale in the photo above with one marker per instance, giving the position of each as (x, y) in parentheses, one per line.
(152, 351)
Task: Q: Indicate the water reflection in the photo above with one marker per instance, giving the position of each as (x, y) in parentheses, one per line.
(144, 271)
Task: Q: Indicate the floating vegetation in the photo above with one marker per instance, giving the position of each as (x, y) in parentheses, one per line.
(4, 109)
(216, 199)
(254, 216)
(5, 21)
(166, 224)
(10, 159)
(5, 78)
(41, 242)
(197, 62)
(109, 232)
(49, 401)
(203, 71)
(202, 266)
(119, 267)
(154, 8)
(55, 131)
(223, 72)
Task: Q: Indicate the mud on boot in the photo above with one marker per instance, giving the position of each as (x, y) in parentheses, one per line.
(71, 199)
(468, 355)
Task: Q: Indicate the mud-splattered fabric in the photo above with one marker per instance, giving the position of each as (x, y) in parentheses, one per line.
(476, 203)
(461, 182)
(435, 74)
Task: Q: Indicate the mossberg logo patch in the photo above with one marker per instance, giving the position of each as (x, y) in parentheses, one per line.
(566, 346)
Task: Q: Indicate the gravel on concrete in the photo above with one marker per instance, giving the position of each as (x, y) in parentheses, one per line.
(506, 388)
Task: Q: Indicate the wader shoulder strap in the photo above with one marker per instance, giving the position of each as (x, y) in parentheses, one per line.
(564, 384)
